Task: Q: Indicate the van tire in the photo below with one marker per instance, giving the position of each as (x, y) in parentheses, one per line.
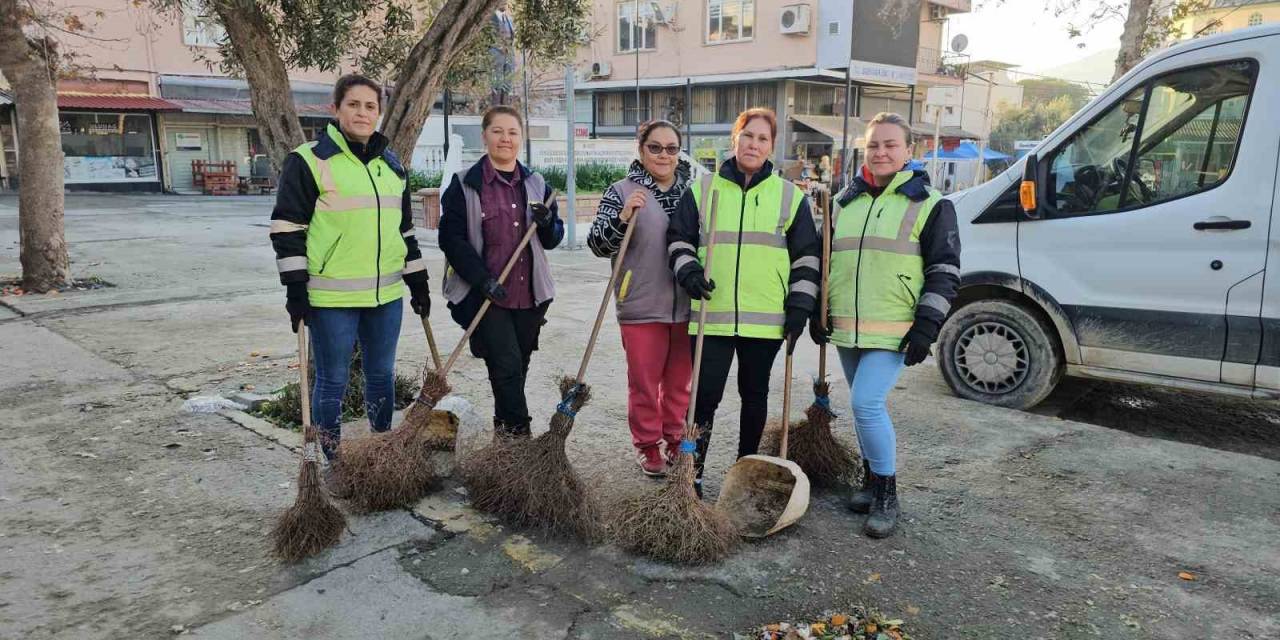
(1018, 336)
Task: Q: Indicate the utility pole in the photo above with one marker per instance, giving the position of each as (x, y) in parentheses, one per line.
(845, 167)
(528, 143)
(986, 132)
(571, 174)
(635, 46)
(937, 146)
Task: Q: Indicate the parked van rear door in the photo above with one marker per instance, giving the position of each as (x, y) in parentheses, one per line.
(1154, 236)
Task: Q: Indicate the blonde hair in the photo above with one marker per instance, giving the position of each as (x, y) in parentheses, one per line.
(884, 117)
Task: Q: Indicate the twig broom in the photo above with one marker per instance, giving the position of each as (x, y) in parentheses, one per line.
(532, 483)
(312, 524)
(672, 524)
(392, 470)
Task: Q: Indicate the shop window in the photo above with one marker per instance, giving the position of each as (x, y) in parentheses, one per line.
(1255, 19)
(107, 147)
(730, 20)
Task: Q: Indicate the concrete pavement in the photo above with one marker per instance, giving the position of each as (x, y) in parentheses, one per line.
(124, 516)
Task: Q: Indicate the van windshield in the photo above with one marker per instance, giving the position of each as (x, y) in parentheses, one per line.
(1190, 125)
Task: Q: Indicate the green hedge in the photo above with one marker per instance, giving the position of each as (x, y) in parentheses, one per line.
(593, 177)
(424, 180)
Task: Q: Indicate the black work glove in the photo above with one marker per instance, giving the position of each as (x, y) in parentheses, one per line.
(541, 215)
(420, 298)
(696, 284)
(916, 345)
(793, 326)
(297, 303)
(819, 335)
(494, 291)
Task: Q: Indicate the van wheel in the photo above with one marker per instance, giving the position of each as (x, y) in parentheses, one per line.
(999, 353)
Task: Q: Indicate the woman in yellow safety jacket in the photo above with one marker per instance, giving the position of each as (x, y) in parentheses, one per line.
(895, 268)
(763, 283)
(342, 230)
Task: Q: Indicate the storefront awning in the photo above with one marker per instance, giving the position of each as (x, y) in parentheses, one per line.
(833, 126)
(241, 107)
(926, 130)
(113, 102)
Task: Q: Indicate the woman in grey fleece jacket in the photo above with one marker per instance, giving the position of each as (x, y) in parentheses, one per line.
(653, 311)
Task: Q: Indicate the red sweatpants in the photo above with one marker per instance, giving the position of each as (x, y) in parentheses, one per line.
(659, 366)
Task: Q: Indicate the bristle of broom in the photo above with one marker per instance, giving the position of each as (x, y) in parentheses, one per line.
(312, 524)
(531, 483)
(828, 462)
(387, 471)
(672, 524)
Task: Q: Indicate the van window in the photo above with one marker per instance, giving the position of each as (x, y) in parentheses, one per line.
(1183, 128)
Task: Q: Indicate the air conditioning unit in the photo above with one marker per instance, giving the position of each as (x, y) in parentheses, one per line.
(938, 12)
(794, 19)
(601, 69)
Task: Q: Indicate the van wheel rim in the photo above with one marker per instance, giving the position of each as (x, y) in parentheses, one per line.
(991, 358)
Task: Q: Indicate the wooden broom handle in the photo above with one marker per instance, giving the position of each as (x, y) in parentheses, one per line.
(511, 263)
(304, 388)
(702, 314)
(786, 407)
(826, 274)
(431, 343)
(604, 301)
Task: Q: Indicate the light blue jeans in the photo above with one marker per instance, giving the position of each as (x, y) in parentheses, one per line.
(871, 374)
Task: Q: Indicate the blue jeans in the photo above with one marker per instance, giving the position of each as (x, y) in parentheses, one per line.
(871, 374)
(334, 332)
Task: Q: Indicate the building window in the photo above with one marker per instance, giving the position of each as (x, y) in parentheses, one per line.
(636, 31)
(818, 99)
(1255, 19)
(107, 147)
(200, 28)
(730, 20)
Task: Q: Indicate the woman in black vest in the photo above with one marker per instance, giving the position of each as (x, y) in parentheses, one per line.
(484, 213)
(653, 310)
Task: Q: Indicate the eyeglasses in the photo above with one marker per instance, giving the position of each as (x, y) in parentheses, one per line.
(656, 149)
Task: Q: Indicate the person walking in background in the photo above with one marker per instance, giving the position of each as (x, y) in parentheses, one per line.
(485, 212)
(895, 270)
(653, 310)
(763, 284)
(342, 229)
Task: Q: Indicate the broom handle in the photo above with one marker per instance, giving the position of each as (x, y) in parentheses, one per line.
(826, 273)
(304, 390)
(524, 242)
(702, 315)
(786, 408)
(431, 343)
(604, 302)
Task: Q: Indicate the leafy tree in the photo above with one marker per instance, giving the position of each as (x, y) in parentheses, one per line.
(417, 44)
(1038, 90)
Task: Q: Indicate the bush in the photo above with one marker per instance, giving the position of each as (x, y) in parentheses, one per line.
(424, 180)
(286, 409)
(593, 177)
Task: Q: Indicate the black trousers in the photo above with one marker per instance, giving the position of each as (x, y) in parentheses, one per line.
(755, 360)
(506, 339)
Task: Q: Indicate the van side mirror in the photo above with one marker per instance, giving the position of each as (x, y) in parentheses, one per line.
(1027, 191)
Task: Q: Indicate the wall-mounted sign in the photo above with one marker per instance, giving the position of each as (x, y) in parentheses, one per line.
(878, 73)
(188, 141)
(82, 169)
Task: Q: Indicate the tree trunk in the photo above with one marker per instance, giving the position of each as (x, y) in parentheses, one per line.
(1135, 27)
(41, 202)
(264, 69)
(422, 72)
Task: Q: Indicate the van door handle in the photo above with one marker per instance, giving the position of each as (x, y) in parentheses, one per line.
(1223, 224)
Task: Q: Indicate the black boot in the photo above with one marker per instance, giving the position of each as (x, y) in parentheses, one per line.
(884, 507)
(860, 501)
(510, 430)
(702, 444)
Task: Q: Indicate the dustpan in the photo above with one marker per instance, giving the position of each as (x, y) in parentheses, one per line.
(763, 495)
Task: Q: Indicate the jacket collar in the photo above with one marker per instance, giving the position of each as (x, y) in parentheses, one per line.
(475, 175)
(729, 171)
(375, 147)
(912, 183)
(641, 176)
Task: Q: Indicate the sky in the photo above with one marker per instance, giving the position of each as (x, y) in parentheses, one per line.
(1026, 33)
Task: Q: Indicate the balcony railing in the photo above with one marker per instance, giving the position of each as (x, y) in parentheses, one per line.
(938, 63)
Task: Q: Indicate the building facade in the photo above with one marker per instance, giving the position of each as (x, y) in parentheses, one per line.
(1229, 15)
(150, 101)
(700, 63)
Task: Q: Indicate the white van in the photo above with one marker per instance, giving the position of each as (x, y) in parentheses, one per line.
(1133, 243)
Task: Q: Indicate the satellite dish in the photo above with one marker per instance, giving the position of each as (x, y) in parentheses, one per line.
(959, 43)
